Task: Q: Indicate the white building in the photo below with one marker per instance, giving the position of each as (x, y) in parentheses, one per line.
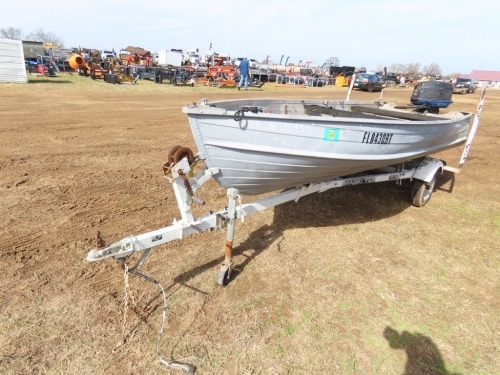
(12, 64)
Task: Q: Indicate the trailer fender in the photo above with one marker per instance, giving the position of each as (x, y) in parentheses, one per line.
(428, 168)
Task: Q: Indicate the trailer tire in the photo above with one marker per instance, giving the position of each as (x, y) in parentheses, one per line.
(422, 191)
(223, 277)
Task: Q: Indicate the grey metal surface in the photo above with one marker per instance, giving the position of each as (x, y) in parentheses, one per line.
(287, 144)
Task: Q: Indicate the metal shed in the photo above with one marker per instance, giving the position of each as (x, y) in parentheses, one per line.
(12, 64)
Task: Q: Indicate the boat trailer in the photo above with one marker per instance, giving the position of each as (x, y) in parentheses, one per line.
(424, 176)
(181, 160)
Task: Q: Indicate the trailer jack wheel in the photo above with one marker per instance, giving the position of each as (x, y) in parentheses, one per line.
(224, 274)
(422, 191)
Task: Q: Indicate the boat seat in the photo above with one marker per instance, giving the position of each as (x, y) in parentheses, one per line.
(317, 110)
(394, 114)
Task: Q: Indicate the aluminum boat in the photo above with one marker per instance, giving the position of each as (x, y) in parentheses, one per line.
(264, 145)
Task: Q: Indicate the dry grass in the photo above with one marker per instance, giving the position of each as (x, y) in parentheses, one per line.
(350, 281)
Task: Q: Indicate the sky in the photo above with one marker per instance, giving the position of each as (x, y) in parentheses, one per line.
(458, 35)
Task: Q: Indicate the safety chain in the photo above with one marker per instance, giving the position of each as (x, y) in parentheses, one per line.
(128, 294)
(172, 364)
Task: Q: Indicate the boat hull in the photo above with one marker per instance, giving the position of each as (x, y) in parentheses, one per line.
(284, 146)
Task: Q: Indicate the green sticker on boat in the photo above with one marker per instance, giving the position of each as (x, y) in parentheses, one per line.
(331, 134)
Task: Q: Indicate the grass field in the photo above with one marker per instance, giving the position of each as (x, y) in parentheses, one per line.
(350, 281)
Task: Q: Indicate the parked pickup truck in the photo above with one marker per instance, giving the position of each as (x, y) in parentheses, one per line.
(464, 86)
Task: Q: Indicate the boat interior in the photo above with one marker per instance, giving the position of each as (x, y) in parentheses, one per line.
(335, 108)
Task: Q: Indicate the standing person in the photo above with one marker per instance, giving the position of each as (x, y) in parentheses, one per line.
(244, 72)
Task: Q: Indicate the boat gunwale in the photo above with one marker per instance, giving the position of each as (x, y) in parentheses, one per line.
(213, 110)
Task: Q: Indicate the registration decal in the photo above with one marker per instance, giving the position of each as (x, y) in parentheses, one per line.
(331, 134)
(377, 138)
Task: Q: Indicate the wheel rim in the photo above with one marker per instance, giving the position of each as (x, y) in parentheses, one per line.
(429, 190)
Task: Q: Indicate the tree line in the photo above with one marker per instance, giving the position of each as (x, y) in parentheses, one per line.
(37, 36)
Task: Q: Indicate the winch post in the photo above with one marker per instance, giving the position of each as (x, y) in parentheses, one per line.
(227, 266)
(181, 194)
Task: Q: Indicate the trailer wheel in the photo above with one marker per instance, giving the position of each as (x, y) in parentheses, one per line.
(224, 274)
(422, 191)
(223, 277)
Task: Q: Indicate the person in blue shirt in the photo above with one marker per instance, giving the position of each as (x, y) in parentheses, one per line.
(244, 73)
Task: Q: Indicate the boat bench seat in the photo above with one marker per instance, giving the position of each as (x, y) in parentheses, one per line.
(317, 110)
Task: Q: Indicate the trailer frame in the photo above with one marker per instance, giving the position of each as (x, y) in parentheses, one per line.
(423, 171)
